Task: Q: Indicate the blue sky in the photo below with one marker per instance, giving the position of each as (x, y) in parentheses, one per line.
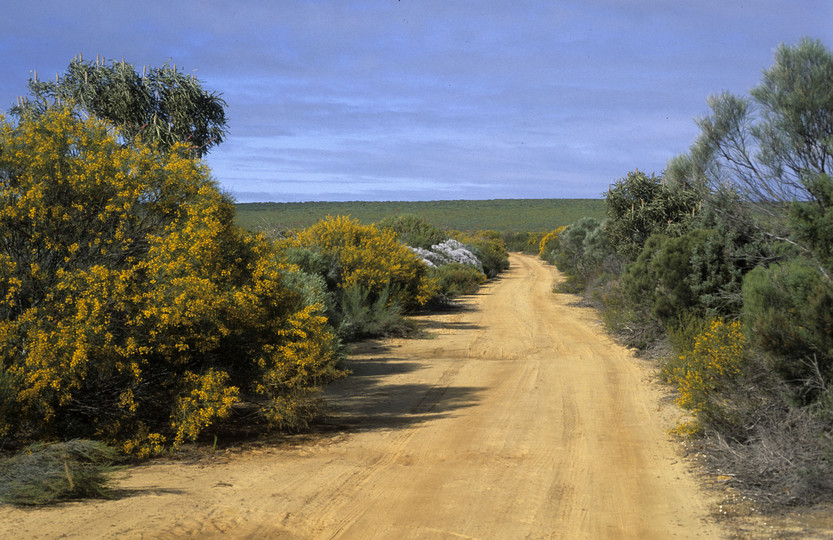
(430, 100)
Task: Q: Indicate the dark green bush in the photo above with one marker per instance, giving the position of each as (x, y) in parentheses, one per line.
(657, 279)
(812, 222)
(788, 313)
(682, 276)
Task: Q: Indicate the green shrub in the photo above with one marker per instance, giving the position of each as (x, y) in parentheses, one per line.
(639, 206)
(413, 231)
(46, 473)
(788, 314)
(456, 279)
(812, 222)
(681, 276)
(362, 314)
(314, 261)
(523, 242)
(311, 287)
(489, 250)
(583, 252)
(658, 278)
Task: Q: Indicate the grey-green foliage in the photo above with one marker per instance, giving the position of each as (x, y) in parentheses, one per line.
(413, 231)
(772, 143)
(160, 105)
(46, 473)
(586, 255)
(315, 262)
(361, 314)
(317, 279)
(312, 287)
(456, 279)
(353, 312)
(571, 258)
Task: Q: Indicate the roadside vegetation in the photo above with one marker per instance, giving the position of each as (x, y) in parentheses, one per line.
(136, 316)
(722, 268)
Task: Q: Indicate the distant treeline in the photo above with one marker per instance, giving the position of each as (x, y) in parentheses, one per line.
(517, 215)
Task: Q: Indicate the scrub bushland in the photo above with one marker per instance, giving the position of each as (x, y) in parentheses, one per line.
(723, 266)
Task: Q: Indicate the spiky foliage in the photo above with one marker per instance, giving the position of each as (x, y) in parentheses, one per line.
(160, 105)
(46, 473)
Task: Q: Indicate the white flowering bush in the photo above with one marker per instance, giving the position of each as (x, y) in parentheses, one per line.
(448, 252)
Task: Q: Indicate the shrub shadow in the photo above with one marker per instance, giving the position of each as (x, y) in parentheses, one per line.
(427, 323)
(370, 398)
(118, 494)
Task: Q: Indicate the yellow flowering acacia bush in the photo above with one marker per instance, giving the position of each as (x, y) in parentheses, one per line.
(549, 245)
(368, 257)
(131, 308)
(703, 374)
(489, 248)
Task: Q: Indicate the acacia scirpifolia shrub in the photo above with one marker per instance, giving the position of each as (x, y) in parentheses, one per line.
(132, 310)
(639, 206)
(368, 257)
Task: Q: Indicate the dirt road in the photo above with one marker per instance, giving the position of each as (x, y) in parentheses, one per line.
(516, 418)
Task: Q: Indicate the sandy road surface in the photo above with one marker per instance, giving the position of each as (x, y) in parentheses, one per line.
(517, 418)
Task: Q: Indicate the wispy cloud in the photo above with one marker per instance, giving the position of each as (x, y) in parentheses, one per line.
(433, 99)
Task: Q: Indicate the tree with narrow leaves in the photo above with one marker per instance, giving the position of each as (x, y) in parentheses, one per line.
(774, 144)
(160, 105)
